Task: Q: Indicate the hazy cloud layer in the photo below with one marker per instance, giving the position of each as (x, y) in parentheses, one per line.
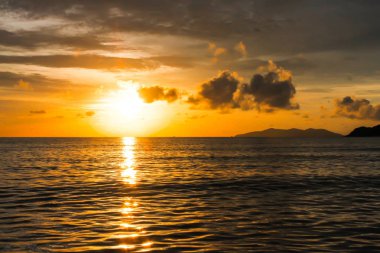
(241, 48)
(90, 113)
(268, 91)
(82, 61)
(216, 51)
(284, 30)
(355, 108)
(157, 93)
(38, 112)
(36, 82)
(338, 24)
(38, 86)
(32, 40)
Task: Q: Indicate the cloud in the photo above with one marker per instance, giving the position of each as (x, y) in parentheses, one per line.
(90, 113)
(273, 89)
(92, 61)
(157, 93)
(217, 92)
(41, 86)
(23, 85)
(80, 61)
(216, 51)
(269, 91)
(27, 81)
(268, 27)
(35, 39)
(38, 112)
(86, 114)
(357, 108)
(241, 49)
(38, 82)
(269, 22)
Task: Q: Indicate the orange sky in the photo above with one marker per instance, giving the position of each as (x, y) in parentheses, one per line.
(192, 69)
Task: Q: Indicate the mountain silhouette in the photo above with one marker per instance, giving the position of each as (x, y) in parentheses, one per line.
(365, 132)
(291, 133)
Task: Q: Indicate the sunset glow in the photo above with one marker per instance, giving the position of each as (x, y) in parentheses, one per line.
(111, 69)
(189, 126)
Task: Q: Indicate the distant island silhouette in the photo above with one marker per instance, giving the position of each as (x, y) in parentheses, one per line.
(365, 132)
(292, 133)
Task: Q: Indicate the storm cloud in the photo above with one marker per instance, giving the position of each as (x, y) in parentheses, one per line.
(158, 93)
(356, 108)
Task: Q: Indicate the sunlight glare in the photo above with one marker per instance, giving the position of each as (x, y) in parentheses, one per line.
(128, 173)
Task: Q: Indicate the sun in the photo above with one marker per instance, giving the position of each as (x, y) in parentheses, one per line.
(126, 101)
(122, 112)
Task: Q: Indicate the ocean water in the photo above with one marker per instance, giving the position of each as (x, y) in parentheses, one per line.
(189, 195)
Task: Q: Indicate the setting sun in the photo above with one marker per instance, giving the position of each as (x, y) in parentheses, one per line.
(126, 101)
(123, 111)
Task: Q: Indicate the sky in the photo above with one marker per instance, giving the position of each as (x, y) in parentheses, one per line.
(187, 68)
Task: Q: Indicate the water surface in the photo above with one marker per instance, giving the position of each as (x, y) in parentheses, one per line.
(189, 195)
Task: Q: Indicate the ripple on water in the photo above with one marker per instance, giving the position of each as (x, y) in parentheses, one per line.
(189, 195)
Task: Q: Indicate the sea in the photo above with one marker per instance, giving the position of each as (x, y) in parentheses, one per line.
(189, 195)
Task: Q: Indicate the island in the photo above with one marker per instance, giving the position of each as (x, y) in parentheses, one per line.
(365, 132)
(291, 133)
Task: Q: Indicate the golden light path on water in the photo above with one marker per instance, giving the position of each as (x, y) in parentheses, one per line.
(132, 237)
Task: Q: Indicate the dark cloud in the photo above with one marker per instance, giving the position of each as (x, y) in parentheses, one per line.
(218, 92)
(37, 81)
(269, 91)
(31, 40)
(80, 61)
(297, 64)
(38, 112)
(157, 93)
(174, 61)
(290, 26)
(91, 61)
(357, 108)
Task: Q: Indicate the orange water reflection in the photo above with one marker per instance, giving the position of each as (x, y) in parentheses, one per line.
(133, 236)
(128, 171)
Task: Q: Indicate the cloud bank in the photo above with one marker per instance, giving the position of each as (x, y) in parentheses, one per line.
(37, 112)
(357, 108)
(100, 62)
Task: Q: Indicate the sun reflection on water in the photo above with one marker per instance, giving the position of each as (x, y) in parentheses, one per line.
(129, 173)
(133, 235)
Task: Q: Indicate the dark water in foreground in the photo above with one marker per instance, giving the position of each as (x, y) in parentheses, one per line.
(189, 195)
